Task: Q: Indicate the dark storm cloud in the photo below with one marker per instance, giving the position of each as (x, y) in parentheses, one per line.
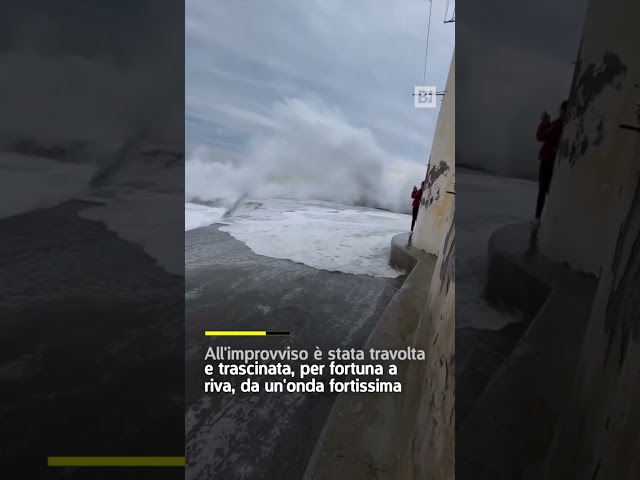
(514, 60)
(363, 57)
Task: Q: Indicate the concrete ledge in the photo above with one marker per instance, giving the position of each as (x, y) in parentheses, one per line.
(509, 430)
(516, 276)
(404, 255)
(358, 441)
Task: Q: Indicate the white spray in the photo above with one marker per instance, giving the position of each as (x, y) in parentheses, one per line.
(311, 152)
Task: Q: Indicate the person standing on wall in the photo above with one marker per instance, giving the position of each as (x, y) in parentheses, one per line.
(549, 133)
(416, 194)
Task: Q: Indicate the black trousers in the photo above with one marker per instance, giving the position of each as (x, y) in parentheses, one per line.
(544, 181)
(414, 216)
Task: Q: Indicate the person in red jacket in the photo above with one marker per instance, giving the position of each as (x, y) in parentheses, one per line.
(416, 194)
(549, 133)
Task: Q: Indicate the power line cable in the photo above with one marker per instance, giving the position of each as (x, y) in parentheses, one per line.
(426, 50)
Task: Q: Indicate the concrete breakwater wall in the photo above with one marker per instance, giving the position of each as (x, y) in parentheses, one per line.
(410, 435)
(426, 446)
(362, 434)
(437, 199)
(595, 227)
(427, 417)
(566, 405)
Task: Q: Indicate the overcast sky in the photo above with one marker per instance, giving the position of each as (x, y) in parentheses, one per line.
(359, 57)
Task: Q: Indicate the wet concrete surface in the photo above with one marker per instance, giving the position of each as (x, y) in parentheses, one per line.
(487, 330)
(91, 351)
(479, 354)
(264, 435)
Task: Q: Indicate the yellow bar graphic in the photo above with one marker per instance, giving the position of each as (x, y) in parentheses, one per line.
(116, 461)
(237, 333)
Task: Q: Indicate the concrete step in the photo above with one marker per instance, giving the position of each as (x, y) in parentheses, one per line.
(508, 431)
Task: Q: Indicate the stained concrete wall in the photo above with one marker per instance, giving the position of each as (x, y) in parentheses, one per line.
(427, 447)
(585, 188)
(599, 436)
(436, 202)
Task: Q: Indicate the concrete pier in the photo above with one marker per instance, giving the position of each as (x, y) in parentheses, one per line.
(361, 436)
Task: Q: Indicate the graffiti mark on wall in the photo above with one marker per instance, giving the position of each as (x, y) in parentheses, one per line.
(623, 306)
(433, 187)
(587, 86)
(448, 266)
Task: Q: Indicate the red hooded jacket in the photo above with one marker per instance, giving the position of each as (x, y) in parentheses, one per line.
(417, 196)
(549, 134)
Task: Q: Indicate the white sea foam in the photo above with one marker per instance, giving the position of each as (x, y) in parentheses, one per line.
(29, 182)
(141, 204)
(141, 219)
(311, 152)
(196, 216)
(318, 234)
(487, 203)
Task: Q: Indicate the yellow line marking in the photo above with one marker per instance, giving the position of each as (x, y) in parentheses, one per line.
(230, 333)
(116, 461)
